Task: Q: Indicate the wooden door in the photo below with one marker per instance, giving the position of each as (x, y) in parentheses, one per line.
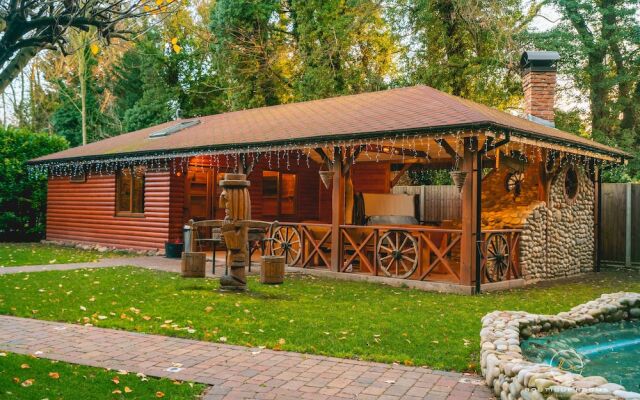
(199, 187)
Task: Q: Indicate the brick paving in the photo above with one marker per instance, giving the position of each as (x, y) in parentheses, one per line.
(234, 372)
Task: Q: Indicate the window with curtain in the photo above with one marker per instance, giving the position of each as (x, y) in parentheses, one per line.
(130, 191)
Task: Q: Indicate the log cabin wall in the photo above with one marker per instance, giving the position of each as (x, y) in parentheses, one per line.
(85, 212)
(307, 187)
(367, 177)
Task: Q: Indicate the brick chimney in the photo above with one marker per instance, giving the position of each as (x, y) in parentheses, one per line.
(539, 85)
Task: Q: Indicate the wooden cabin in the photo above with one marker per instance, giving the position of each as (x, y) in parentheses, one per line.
(326, 171)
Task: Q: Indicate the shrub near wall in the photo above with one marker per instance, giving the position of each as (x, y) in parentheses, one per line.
(23, 198)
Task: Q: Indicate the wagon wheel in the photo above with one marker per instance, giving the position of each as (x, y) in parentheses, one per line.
(397, 254)
(498, 258)
(285, 241)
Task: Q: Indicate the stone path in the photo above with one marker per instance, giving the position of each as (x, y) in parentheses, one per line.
(152, 262)
(235, 372)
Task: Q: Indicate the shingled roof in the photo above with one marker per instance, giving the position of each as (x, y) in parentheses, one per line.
(409, 110)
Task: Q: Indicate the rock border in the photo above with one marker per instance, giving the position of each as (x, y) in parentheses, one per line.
(102, 248)
(513, 378)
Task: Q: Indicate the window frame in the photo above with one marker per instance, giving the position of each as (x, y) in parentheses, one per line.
(278, 196)
(129, 212)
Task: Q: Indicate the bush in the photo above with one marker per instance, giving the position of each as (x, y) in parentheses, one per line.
(23, 198)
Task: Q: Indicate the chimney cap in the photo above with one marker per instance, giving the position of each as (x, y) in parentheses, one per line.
(539, 61)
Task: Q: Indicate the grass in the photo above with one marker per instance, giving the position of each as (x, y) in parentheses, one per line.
(306, 314)
(26, 377)
(17, 254)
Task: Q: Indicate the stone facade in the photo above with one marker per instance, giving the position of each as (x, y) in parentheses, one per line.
(558, 238)
(500, 208)
(513, 378)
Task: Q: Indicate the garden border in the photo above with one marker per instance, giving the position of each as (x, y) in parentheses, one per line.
(512, 377)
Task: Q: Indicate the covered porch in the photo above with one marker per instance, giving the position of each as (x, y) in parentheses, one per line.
(338, 207)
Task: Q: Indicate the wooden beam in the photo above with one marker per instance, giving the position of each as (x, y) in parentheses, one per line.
(337, 213)
(323, 155)
(469, 209)
(400, 173)
(398, 151)
(447, 148)
(351, 157)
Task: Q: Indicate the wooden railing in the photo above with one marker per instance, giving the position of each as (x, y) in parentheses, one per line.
(405, 252)
(302, 244)
(500, 255)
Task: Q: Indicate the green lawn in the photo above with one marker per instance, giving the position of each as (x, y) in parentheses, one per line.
(306, 314)
(16, 254)
(25, 377)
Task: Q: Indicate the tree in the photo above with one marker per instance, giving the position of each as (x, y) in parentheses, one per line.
(23, 197)
(271, 52)
(600, 47)
(342, 47)
(467, 48)
(29, 26)
(252, 52)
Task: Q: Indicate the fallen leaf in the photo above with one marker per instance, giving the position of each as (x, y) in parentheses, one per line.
(223, 339)
(116, 380)
(281, 341)
(54, 375)
(127, 389)
(117, 391)
(27, 383)
(159, 394)
(25, 366)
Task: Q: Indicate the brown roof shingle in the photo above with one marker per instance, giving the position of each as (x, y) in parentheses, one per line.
(413, 109)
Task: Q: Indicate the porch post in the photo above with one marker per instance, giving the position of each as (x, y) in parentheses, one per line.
(337, 209)
(470, 202)
(598, 217)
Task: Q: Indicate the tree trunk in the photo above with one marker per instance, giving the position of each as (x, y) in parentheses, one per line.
(16, 65)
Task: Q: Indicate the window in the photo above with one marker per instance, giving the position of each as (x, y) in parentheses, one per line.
(79, 176)
(279, 193)
(571, 183)
(130, 191)
(174, 128)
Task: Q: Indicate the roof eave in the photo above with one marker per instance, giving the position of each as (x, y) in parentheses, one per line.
(343, 137)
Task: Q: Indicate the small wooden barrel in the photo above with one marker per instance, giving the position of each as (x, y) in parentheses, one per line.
(193, 265)
(272, 269)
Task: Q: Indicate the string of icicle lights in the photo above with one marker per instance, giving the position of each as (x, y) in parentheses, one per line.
(286, 155)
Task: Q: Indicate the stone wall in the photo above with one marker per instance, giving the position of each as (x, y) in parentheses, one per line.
(500, 208)
(512, 377)
(558, 239)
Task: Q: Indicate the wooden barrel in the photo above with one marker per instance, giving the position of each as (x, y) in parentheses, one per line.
(193, 265)
(272, 269)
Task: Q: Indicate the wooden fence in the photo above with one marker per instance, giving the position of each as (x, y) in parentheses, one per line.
(437, 202)
(620, 232)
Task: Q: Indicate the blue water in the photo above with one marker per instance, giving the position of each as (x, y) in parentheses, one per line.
(611, 350)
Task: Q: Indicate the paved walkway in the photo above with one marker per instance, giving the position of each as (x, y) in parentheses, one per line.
(235, 372)
(152, 262)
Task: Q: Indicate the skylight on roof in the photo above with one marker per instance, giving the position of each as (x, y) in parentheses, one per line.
(174, 128)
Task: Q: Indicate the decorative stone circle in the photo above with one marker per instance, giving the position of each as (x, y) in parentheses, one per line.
(513, 378)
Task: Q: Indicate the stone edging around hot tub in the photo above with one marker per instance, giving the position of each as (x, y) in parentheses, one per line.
(512, 377)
